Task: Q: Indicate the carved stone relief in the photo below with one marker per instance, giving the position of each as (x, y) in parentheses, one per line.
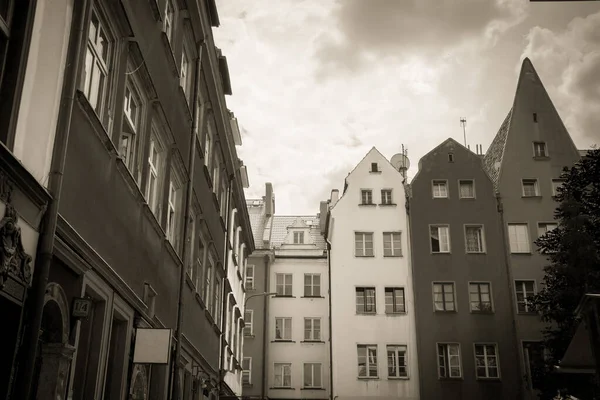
(13, 259)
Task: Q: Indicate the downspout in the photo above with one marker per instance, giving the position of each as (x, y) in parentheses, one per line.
(45, 248)
(330, 321)
(263, 390)
(223, 297)
(186, 220)
(509, 277)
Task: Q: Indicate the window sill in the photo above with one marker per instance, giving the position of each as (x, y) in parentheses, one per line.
(96, 122)
(154, 220)
(130, 180)
(223, 223)
(467, 198)
(216, 202)
(368, 378)
(393, 256)
(285, 296)
(209, 316)
(238, 273)
(455, 379)
(441, 252)
(388, 205)
(541, 158)
(251, 336)
(208, 177)
(170, 55)
(216, 328)
(283, 341)
(173, 253)
(369, 314)
(358, 256)
(440, 198)
(524, 253)
(247, 385)
(398, 378)
(282, 388)
(396, 314)
(199, 300)
(367, 205)
(312, 341)
(312, 297)
(445, 312)
(190, 282)
(312, 388)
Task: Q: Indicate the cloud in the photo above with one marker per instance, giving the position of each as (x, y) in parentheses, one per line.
(370, 30)
(569, 62)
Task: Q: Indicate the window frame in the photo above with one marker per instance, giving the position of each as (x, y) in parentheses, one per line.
(472, 182)
(156, 141)
(479, 295)
(545, 224)
(247, 372)
(481, 228)
(395, 348)
(249, 323)
(555, 187)
(392, 235)
(447, 360)
(510, 240)
(249, 278)
(312, 285)
(544, 147)
(298, 237)
(443, 293)
(366, 197)
(387, 197)
(283, 367)
(536, 187)
(170, 19)
(438, 226)
(364, 244)
(364, 289)
(368, 364)
(519, 284)
(173, 222)
(394, 304)
(312, 336)
(438, 182)
(312, 370)
(284, 284)
(284, 329)
(136, 129)
(496, 356)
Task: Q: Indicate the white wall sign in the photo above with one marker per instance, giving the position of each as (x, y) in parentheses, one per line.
(152, 346)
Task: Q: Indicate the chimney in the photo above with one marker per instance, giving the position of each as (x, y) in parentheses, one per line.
(269, 200)
(323, 209)
(335, 194)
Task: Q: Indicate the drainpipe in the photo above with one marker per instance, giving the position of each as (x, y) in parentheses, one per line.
(330, 321)
(186, 220)
(45, 249)
(509, 277)
(263, 391)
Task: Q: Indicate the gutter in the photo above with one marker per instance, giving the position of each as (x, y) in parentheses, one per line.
(188, 202)
(263, 390)
(45, 249)
(330, 321)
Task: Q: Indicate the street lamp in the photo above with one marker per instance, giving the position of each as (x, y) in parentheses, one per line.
(258, 294)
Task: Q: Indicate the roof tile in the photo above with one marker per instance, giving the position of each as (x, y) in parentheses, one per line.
(493, 157)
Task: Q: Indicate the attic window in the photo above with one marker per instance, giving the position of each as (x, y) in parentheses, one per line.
(535, 117)
(374, 167)
(298, 237)
(450, 157)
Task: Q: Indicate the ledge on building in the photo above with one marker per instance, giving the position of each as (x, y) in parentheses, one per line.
(283, 341)
(367, 204)
(284, 296)
(367, 378)
(200, 301)
(312, 388)
(282, 388)
(189, 282)
(312, 297)
(387, 204)
(250, 336)
(312, 341)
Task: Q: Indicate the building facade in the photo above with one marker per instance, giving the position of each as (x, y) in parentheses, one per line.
(466, 339)
(152, 231)
(374, 351)
(298, 314)
(525, 161)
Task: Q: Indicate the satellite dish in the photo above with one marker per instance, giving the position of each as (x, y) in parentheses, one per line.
(400, 162)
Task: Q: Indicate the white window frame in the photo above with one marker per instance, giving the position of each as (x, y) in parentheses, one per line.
(155, 171)
(440, 228)
(285, 329)
(481, 238)
(366, 196)
(371, 360)
(187, 69)
(386, 196)
(481, 305)
(461, 182)
(192, 248)
(544, 147)
(298, 237)
(247, 372)
(249, 279)
(314, 290)
(284, 367)
(443, 285)
(284, 286)
(395, 241)
(518, 244)
(312, 384)
(361, 238)
(439, 189)
(173, 210)
(217, 299)
(543, 227)
(130, 134)
(216, 172)
(366, 290)
(210, 268)
(208, 145)
(311, 334)
(448, 359)
(394, 353)
(249, 322)
(521, 288)
(396, 308)
(201, 258)
(556, 183)
(486, 360)
(169, 24)
(530, 182)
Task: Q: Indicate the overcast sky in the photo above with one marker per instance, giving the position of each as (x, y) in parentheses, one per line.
(317, 83)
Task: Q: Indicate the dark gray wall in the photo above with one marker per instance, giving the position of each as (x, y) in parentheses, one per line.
(461, 326)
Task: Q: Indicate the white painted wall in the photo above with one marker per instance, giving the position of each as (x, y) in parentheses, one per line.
(298, 353)
(42, 89)
(348, 272)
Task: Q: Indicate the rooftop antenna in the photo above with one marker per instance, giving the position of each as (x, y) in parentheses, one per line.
(463, 123)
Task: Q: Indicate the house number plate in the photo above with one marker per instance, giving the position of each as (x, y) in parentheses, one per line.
(81, 307)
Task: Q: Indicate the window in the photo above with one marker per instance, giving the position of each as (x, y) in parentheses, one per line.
(208, 145)
(524, 290)
(185, 79)
(391, 244)
(440, 189)
(298, 237)
(283, 329)
(480, 297)
(247, 371)
(128, 140)
(440, 238)
(191, 239)
(365, 300)
(207, 283)
(450, 157)
(312, 375)
(366, 196)
(312, 329)
(518, 237)
(374, 167)
(283, 375)
(174, 211)
(200, 261)
(474, 239)
(217, 305)
(97, 64)
(216, 172)
(556, 183)
(539, 149)
(363, 244)
(449, 360)
(486, 361)
(534, 355)
(466, 188)
(248, 322)
(312, 285)
(6, 16)
(535, 117)
(530, 188)
(397, 363)
(169, 20)
(249, 281)
(386, 196)
(283, 284)
(155, 168)
(394, 300)
(545, 227)
(443, 296)
(367, 361)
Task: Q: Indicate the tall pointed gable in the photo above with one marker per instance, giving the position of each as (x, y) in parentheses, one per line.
(532, 118)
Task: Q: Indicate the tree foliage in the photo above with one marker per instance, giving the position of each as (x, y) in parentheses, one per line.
(573, 249)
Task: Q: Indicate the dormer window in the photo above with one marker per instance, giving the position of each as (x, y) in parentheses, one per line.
(374, 167)
(298, 237)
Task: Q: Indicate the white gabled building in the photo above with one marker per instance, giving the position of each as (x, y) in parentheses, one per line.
(372, 309)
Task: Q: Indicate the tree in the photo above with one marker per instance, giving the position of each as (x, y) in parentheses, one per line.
(573, 249)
